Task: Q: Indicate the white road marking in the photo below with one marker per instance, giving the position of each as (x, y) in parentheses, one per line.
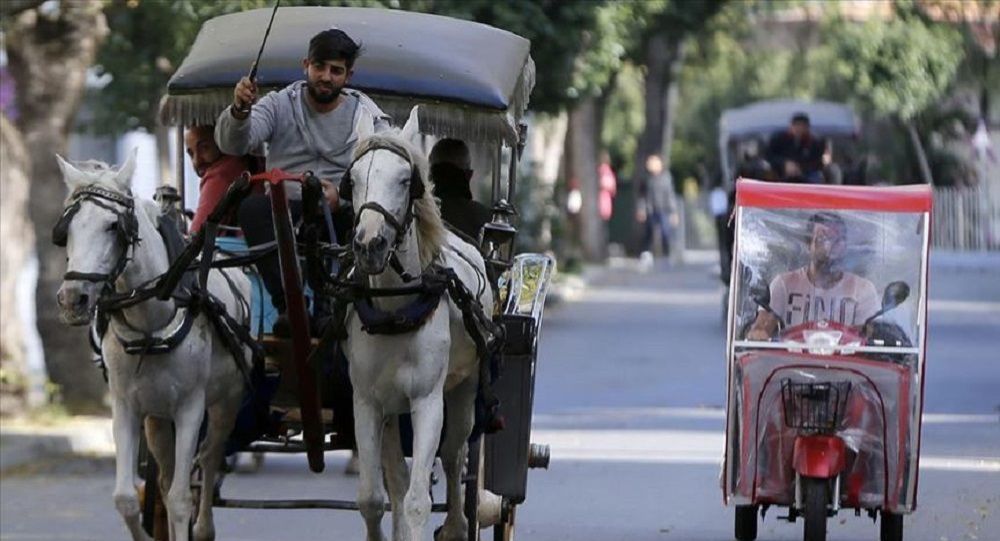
(687, 447)
(634, 414)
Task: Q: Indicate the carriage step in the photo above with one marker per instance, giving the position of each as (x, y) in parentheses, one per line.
(304, 504)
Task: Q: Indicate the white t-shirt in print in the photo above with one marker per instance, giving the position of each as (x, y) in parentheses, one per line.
(850, 301)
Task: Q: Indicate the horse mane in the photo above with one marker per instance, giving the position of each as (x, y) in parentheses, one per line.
(431, 232)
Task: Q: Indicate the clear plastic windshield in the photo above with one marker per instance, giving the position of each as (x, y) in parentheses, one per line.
(835, 266)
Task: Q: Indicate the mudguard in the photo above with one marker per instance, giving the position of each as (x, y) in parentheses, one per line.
(819, 455)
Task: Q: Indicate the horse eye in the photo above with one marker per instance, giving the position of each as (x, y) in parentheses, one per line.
(111, 227)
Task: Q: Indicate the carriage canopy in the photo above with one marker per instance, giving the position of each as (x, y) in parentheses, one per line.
(473, 80)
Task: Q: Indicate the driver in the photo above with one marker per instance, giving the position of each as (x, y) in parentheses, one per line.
(820, 290)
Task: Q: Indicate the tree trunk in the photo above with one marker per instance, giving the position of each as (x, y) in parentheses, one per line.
(583, 153)
(547, 143)
(21, 388)
(663, 59)
(673, 86)
(918, 147)
(656, 60)
(49, 52)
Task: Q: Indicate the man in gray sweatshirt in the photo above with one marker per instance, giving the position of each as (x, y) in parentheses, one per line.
(311, 125)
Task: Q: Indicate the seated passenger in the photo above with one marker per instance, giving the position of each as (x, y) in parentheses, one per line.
(451, 172)
(795, 154)
(216, 170)
(820, 290)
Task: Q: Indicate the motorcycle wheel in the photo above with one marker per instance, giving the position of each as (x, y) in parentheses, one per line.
(815, 496)
(746, 522)
(891, 526)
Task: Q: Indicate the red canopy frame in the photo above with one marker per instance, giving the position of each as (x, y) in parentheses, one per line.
(910, 198)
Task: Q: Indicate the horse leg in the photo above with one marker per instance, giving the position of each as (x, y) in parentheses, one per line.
(454, 451)
(428, 414)
(221, 418)
(187, 423)
(368, 426)
(126, 425)
(160, 438)
(396, 475)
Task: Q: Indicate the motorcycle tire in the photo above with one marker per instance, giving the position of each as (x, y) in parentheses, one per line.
(746, 522)
(891, 526)
(815, 497)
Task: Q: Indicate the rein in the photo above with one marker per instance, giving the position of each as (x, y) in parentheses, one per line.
(192, 300)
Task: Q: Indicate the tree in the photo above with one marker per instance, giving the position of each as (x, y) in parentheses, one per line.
(898, 68)
(49, 47)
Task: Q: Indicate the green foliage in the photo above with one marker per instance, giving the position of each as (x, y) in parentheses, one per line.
(897, 67)
(148, 40)
(576, 46)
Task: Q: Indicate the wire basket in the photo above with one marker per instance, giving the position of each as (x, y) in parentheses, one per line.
(814, 406)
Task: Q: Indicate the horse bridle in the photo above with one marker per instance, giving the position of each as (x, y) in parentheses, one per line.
(126, 228)
(416, 187)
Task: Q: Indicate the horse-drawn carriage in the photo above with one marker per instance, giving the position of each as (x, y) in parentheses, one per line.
(452, 78)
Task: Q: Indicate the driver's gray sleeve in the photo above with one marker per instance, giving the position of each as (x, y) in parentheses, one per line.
(240, 136)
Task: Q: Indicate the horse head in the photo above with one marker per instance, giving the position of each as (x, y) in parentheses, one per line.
(385, 183)
(96, 228)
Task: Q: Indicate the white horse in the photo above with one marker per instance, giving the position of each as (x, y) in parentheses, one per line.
(415, 372)
(198, 377)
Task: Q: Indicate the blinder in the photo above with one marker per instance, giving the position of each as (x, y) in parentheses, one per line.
(126, 227)
(60, 232)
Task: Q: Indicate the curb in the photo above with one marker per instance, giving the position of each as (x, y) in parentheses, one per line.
(24, 443)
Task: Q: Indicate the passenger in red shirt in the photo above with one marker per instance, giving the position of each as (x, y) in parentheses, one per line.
(216, 170)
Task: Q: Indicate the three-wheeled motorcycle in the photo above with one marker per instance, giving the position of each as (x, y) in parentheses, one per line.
(826, 353)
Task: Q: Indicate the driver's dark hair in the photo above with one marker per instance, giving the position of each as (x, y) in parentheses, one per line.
(828, 219)
(334, 44)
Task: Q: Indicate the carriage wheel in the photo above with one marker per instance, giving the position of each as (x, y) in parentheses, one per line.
(815, 496)
(505, 530)
(474, 479)
(891, 526)
(746, 522)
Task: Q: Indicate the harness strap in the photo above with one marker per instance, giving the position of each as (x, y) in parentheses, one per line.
(97, 277)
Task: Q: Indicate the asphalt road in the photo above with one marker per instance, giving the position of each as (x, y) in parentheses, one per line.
(630, 391)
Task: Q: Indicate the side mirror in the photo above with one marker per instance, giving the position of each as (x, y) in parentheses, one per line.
(895, 294)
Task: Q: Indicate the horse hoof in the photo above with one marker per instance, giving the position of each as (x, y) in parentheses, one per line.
(453, 535)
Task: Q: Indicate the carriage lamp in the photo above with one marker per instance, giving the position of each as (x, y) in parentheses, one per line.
(167, 197)
(498, 236)
(171, 205)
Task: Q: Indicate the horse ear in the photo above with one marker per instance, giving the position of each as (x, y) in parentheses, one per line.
(71, 175)
(411, 130)
(124, 176)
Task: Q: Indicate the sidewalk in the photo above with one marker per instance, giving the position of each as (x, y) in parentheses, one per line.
(24, 442)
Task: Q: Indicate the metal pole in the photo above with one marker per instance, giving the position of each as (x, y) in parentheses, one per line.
(179, 174)
(496, 173)
(298, 316)
(512, 177)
